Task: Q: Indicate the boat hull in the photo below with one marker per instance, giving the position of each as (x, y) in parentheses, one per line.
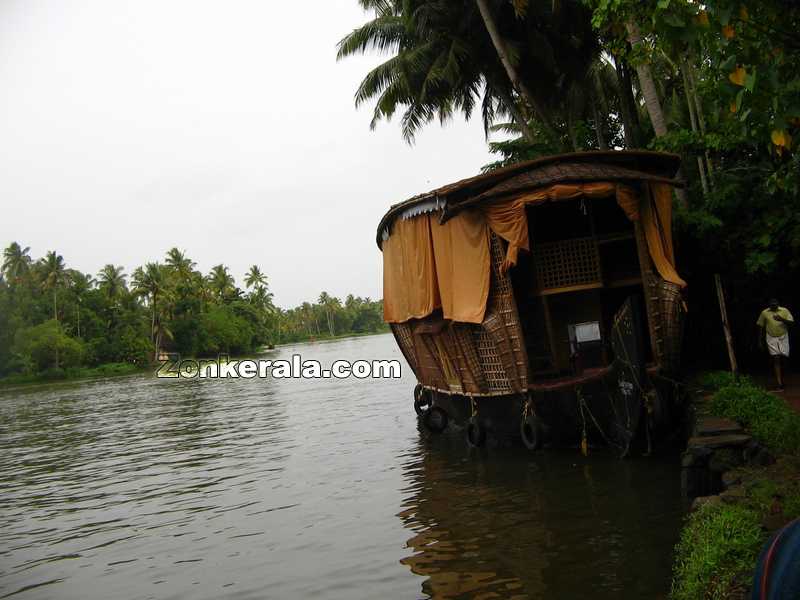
(604, 411)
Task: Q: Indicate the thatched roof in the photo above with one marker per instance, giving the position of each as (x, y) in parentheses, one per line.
(577, 167)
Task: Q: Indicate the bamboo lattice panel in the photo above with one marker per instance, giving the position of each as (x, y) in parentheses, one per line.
(493, 371)
(567, 263)
(668, 309)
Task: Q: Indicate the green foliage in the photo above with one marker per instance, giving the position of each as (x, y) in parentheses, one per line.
(104, 370)
(330, 318)
(719, 544)
(46, 346)
(221, 331)
(52, 374)
(791, 505)
(714, 380)
(729, 80)
(717, 547)
(59, 323)
(518, 150)
(767, 416)
(442, 60)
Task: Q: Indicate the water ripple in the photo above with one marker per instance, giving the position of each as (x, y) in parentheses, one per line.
(144, 488)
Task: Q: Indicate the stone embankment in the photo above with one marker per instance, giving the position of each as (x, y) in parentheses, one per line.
(717, 447)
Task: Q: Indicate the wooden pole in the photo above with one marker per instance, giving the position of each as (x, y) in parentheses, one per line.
(726, 327)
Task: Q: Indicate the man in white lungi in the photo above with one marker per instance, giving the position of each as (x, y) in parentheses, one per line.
(775, 322)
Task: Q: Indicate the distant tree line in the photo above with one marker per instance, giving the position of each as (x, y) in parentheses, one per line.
(54, 318)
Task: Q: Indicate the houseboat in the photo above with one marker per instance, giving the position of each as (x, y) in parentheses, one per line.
(541, 301)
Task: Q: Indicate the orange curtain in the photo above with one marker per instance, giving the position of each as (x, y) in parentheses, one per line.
(409, 272)
(461, 250)
(427, 265)
(656, 212)
(510, 222)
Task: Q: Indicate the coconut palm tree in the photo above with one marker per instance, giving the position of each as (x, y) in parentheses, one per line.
(112, 282)
(181, 264)
(53, 276)
(79, 285)
(434, 72)
(647, 85)
(307, 312)
(16, 262)
(519, 58)
(221, 282)
(262, 298)
(150, 283)
(161, 332)
(329, 304)
(255, 278)
(501, 47)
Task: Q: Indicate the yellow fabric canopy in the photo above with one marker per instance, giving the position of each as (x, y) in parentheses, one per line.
(410, 290)
(657, 224)
(427, 265)
(510, 221)
(461, 250)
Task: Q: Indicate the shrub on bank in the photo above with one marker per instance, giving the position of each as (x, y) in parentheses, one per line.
(104, 370)
(53, 374)
(719, 543)
(767, 416)
(715, 380)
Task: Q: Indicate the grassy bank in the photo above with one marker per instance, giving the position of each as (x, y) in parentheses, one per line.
(72, 373)
(720, 542)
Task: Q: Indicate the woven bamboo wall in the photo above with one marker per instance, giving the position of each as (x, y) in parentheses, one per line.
(665, 311)
(461, 358)
(669, 314)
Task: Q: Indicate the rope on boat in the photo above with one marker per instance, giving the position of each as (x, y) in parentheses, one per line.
(528, 408)
(473, 406)
(584, 408)
(584, 440)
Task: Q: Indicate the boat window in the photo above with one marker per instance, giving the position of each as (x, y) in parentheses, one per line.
(556, 221)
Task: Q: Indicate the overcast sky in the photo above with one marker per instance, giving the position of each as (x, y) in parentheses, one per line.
(226, 129)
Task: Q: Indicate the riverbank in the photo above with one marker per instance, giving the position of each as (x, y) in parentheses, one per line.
(331, 338)
(119, 369)
(760, 491)
(73, 374)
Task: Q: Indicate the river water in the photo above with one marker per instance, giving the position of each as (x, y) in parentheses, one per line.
(139, 487)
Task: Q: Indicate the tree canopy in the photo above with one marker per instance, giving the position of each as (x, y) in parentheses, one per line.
(716, 82)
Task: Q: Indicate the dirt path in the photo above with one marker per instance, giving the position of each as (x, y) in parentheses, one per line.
(792, 392)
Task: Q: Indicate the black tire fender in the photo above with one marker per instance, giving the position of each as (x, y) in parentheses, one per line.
(532, 432)
(476, 434)
(435, 419)
(422, 400)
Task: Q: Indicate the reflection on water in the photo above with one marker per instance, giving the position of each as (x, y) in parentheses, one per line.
(551, 526)
(145, 488)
